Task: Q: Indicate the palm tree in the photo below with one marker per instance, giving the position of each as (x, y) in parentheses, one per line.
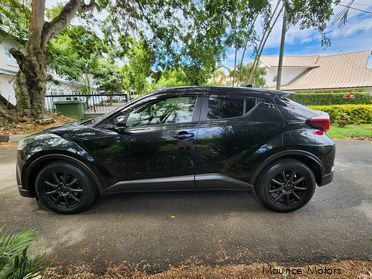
(341, 17)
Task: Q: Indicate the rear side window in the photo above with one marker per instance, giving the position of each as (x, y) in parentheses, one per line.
(222, 107)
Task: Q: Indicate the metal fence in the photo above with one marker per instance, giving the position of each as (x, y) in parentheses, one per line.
(94, 103)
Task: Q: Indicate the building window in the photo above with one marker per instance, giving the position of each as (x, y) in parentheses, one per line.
(53, 92)
(10, 59)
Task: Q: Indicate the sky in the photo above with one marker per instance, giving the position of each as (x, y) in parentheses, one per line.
(356, 35)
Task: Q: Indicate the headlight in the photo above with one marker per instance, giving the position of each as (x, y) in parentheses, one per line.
(21, 144)
(27, 140)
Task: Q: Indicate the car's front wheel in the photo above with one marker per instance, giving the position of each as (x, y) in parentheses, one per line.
(285, 185)
(65, 188)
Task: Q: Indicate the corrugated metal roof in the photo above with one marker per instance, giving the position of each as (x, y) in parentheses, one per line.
(290, 61)
(335, 71)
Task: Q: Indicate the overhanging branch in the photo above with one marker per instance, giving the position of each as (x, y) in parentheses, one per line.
(69, 11)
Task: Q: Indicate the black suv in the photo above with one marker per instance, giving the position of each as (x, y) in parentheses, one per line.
(187, 138)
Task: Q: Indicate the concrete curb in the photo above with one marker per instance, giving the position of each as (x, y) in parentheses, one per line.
(11, 138)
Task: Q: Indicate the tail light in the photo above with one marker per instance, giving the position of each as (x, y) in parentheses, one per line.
(320, 122)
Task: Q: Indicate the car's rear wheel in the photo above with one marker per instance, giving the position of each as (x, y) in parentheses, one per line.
(286, 185)
(65, 188)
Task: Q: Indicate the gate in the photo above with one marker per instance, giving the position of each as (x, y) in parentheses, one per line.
(94, 103)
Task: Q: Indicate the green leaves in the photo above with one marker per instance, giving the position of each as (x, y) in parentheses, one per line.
(14, 262)
(14, 18)
(332, 98)
(311, 14)
(108, 76)
(258, 76)
(151, 37)
(137, 70)
(347, 114)
(75, 52)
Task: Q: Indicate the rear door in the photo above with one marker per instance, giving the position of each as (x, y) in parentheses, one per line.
(232, 128)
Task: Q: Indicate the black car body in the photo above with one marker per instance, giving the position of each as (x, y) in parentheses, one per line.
(188, 138)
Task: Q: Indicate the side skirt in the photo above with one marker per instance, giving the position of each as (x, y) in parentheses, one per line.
(210, 181)
(218, 181)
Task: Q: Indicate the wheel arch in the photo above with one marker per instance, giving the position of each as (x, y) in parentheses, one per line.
(29, 177)
(309, 159)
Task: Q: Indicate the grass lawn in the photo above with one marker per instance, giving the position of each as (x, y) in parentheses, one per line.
(351, 131)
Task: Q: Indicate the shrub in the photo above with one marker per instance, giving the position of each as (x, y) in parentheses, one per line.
(332, 98)
(343, 119)
(14, 261)
(347, 114)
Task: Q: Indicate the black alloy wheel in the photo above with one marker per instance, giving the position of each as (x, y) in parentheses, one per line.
(286, 185)
(65, 188)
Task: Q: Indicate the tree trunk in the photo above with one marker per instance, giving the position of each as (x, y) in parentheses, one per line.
(89, 90)
(5, 115)
(30, 83)
(234, 72)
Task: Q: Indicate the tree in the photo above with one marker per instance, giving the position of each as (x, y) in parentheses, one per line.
(137, 71)
(108, 76)
(30, 84)
(193, 34)
(242, 75)
(169, 78)
(87, 49)
(304, 13)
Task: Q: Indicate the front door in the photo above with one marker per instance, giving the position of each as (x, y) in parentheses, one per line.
(156, 150)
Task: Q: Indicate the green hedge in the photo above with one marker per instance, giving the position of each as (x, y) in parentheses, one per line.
(347, 114)
(327, 91)
(331, 98)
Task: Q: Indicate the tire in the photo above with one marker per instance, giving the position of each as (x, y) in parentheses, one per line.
(65, 188)
(285, 185)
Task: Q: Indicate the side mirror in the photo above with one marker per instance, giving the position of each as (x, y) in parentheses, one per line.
(120, 123)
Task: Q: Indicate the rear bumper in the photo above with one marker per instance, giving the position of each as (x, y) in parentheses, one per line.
(327, 178)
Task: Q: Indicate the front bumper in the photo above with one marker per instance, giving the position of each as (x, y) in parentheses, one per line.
(24, 192)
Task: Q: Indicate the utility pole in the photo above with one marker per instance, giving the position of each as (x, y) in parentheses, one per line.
(282, 42)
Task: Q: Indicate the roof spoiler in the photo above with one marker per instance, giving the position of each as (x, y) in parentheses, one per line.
(278, 92)
(285, 93)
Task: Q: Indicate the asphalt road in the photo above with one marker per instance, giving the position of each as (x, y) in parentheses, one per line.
(216, 227)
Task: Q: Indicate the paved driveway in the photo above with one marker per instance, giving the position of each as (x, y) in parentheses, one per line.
(217, 227)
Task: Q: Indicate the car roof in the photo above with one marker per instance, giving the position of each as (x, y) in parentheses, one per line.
(255, 92)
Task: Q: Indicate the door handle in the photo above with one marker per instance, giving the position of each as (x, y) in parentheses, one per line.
(183, 135)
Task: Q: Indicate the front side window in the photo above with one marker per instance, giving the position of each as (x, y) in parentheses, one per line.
(165, 111)
(221, 107)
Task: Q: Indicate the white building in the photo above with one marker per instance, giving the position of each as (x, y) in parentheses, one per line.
(9, 69)
(346, 71)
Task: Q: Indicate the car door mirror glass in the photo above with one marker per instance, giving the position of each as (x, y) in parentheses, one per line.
(120, 122)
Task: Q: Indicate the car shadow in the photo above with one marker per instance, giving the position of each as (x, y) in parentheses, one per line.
(185, 203)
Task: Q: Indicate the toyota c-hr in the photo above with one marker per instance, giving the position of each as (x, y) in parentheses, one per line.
(188, 138)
